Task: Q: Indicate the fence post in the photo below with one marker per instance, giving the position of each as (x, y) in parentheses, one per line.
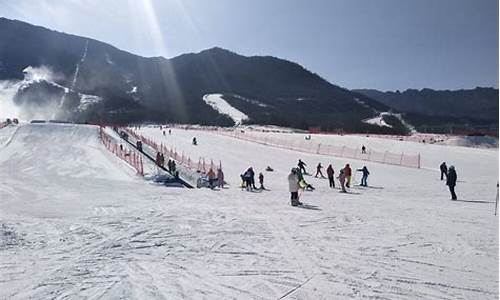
(419, 160)
(342, 153)
(401, 160)
(319, 147)
(385, 154)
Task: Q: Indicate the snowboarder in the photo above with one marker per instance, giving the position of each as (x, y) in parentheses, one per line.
(444, 170)
(293, 186)
(318, 171)
(195, 142)
(211, 178)
(329, 173)
(365, 175)
(302, 166)
(347, 174)
(220, 178)
(261, 181)
(341, 179)
(363, 149)
(451, 181)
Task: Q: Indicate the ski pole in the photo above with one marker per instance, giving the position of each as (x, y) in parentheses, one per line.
(496, 202)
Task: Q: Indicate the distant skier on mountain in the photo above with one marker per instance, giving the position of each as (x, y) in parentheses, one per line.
(330, 173)
(347, 174)
(293, 187)
(444, 170)
(302, 166)
(318, 171)
(451, 181)
(363, 149)
(195, 142)
(365, 172)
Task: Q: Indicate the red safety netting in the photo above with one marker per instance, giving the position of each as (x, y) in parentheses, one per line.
(386, 157)
(200, 166)
(131, 157)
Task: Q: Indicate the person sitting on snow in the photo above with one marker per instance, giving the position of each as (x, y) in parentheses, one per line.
(211, 178)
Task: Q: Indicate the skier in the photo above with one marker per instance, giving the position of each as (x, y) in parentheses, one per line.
(302, 167)
(341, 179)
(318, 171)
(195, 142)
(169, 132)
(261, 181)
(363, 149)
(451, 181)
(211, 178)
(347, 174)
(444, 170)
(329, 173)
(365, 176)
(163, 132)
(293, 186)
(138, 145)
(220, 178)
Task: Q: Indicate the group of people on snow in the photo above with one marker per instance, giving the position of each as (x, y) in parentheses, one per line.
(296, 179)
(248, 179)
(215, 179)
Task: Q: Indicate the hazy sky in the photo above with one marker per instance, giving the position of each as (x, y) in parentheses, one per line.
(383, 44)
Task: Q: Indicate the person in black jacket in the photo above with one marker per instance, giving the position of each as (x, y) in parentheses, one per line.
(444, 170)
(451, 181)
(365, 172)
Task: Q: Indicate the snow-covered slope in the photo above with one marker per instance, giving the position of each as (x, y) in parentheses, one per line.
(221, 105)
(400, 238)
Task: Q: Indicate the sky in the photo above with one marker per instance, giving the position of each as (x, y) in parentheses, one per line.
(382, 44)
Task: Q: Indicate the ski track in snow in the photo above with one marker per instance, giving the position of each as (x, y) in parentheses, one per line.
(77, 222)
(222, 106)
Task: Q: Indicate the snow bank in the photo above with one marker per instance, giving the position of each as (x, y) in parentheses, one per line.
(222, 106)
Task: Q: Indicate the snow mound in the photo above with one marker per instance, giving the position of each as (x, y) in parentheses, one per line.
(379, 121)
(60, 150)
(222, 106)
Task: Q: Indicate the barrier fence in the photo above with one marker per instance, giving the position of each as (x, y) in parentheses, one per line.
(308, 146)
(131, 157)
(200, 166)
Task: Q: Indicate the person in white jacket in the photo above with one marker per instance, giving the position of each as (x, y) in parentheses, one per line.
(293, 186)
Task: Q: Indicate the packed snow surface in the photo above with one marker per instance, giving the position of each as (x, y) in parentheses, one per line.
(78, 223)
(221, 105)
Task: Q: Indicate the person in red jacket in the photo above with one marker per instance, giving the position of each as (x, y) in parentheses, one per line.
(348, 174)
(329, 173)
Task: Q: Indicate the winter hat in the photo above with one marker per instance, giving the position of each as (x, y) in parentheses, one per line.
(452, 167)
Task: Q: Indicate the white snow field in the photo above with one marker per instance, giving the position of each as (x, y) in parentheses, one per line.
(78, 223)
